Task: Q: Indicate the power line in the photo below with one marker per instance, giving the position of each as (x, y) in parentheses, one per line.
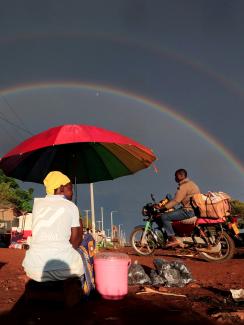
(24, 128)
(15, 125)
(8, 131)
(13, 137)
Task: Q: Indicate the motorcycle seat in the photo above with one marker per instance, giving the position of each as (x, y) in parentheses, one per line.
(188, 221)
(208, 220)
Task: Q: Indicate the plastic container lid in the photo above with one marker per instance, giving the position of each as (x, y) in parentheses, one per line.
(111, 256)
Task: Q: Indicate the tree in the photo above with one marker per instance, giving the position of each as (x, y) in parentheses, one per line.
(12, 196)
(238, 209)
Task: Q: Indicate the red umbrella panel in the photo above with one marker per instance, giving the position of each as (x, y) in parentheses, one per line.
(85, 153)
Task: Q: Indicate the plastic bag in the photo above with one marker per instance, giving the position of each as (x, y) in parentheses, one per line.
(161, 265)
(137, 275)
(185, 274)
(174, 274)
(156, 279)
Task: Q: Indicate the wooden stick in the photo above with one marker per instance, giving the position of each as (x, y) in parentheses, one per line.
(238, 313)
(149, 290)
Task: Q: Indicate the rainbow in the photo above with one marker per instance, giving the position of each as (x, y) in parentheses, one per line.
(151, 48)
(219, 147)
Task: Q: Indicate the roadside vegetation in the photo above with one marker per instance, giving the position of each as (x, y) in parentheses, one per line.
(13, 196)
(238, 210)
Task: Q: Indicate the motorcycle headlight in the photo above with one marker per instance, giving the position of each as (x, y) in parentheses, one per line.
(144, 212)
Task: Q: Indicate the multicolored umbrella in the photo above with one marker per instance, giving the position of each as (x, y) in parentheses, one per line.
(87, 154)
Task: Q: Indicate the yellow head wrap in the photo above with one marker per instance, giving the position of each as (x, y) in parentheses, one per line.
(54, 180)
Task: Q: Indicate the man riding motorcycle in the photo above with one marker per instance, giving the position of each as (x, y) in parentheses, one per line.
(186, 189)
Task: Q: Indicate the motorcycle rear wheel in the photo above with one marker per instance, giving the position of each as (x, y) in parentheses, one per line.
(135, 239)
(226, 253)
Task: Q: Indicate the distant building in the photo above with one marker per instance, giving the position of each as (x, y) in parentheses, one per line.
(7, 218)
(7, 214)
(22, 232)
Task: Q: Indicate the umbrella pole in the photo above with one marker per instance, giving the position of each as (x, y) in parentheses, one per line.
(92, 208)
(75, 191)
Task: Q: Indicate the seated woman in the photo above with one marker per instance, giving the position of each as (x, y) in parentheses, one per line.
(56, 234)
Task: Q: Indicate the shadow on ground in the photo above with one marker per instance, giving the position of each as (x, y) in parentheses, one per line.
(2, 264)
(95, 310)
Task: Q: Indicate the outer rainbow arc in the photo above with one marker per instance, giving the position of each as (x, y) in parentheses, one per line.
(141, 99)
(151, 48)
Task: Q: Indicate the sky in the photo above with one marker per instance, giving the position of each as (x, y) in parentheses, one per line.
(167, 73)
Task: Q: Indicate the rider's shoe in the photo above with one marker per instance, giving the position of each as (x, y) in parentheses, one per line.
(174, 242)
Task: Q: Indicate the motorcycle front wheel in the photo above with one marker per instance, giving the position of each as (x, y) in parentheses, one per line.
(227, 250)
(146, 248)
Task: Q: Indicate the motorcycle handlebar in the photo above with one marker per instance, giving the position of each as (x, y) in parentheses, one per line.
(153, 198)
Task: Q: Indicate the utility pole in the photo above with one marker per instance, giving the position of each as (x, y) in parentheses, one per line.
(102, 217)
(87, 211)
(120, 232)
(99, 222)
(124, 237)
(92, 209)
(111, 216)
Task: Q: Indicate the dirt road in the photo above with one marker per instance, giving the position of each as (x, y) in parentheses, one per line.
(207, 298)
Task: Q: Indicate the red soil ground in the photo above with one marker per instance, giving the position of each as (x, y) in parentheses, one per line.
(207, 295)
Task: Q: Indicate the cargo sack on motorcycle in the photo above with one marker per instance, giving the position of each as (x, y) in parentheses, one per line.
(213, 205)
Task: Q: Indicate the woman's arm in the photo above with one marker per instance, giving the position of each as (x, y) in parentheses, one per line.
(76, 236)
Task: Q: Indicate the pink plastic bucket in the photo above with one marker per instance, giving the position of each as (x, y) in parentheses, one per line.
(111, 274)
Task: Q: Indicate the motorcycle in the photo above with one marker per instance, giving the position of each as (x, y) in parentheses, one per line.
(232, 229)
(202, 236)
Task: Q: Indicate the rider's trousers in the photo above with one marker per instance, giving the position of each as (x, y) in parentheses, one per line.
(179, 214)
